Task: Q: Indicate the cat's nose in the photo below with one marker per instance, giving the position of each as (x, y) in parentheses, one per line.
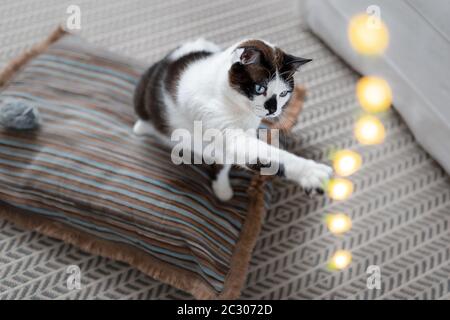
(271, 104)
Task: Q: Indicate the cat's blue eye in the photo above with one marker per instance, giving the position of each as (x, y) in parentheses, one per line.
(260, 89)
(284, 94)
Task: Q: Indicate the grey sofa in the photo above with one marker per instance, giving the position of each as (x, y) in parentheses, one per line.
(416, 63)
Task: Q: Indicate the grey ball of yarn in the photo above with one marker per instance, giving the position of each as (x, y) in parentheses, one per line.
(19, 115)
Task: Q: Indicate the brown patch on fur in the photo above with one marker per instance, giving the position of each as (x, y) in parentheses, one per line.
(148, 100)
(243, 77)
(266, 50)
(148, 95)
(268, 63)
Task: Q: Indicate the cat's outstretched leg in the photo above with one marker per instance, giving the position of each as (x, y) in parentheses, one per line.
(221, 185)
(312, 176)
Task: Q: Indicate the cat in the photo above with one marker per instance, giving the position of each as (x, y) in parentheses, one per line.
(235, 88)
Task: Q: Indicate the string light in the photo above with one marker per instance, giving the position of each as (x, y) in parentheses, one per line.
(374, 94)
(369, 130)
(368, 34)
(340, 260)
(338, 223)
(340, 189)
(346, 162)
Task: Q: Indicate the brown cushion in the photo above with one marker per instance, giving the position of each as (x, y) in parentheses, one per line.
(83, 176)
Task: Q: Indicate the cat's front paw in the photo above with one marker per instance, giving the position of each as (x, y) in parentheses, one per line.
(222, 189)
(313, 177)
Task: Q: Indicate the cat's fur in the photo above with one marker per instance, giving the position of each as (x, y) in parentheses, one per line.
(223, 88)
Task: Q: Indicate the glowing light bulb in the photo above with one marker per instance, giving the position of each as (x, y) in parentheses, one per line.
(340, 260)
(368, 34)
(340, 189)
(374, 94)
(369, 130)
(338, 223)
(346, 162)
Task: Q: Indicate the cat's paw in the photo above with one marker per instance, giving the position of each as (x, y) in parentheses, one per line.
(142, 127)
(222, 189)
(314, 176)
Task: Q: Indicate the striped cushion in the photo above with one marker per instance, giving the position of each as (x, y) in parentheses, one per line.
(85, 178)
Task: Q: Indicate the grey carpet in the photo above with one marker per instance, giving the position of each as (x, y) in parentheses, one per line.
(400, 208)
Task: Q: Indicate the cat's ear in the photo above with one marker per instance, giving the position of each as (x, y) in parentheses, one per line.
(246, 56)
(295, 62)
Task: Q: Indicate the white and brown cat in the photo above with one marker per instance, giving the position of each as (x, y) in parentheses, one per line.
(233, 88)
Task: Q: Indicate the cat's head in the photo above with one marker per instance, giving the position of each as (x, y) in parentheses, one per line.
(264, 74)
